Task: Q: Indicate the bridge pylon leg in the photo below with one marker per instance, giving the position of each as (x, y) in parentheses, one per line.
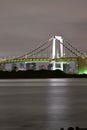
(54, 65)
(61, 66)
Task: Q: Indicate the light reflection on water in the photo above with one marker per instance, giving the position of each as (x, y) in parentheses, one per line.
(43, 82)
(43, 104)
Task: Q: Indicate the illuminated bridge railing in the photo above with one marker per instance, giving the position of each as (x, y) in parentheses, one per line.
(36, 60)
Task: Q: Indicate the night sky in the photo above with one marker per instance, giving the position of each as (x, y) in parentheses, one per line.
(25, 24)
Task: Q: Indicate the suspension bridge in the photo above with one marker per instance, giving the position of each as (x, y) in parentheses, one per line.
(56, 51)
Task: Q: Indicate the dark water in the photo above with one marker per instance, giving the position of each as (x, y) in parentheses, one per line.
(43, 104)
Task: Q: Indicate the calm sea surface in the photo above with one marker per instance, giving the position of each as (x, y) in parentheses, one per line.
(43, 104)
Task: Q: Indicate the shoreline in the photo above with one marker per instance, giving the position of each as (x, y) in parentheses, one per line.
(38, 74)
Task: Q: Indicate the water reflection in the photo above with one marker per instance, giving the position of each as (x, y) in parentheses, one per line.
(43, 104)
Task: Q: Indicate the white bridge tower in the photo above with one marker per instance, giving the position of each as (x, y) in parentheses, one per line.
(54, 54)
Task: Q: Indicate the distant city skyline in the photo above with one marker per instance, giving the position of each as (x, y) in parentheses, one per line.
(25, 24)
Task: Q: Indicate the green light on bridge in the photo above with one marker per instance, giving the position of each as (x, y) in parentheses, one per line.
(83, 72)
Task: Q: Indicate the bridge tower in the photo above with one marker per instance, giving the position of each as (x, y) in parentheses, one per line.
(54, 53)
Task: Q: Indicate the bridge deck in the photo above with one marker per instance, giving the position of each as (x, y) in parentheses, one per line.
(63, 59)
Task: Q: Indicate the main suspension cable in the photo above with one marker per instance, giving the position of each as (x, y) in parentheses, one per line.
(40, 50)
(33, 50)
(74, 48)
(69, 49)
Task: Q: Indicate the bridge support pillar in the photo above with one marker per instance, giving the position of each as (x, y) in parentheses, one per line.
(57, 65)
(54, 65)
(61, 66)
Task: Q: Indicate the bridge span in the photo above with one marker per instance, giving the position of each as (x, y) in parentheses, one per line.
(54, 51)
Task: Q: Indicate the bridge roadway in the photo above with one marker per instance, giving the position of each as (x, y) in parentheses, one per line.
(35, 60)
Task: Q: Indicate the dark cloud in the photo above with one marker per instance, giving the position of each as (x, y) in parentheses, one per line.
(26, 23)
